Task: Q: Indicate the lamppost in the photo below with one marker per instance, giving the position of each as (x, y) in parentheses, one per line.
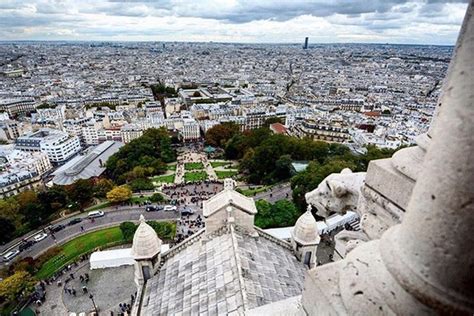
(93, 303)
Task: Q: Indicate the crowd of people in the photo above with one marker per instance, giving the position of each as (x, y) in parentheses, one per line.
(193, 193)
(187, 226)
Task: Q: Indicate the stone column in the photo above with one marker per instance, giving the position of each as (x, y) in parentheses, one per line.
(425, 265)
(431, 252)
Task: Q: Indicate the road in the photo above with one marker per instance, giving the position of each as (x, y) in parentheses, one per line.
(276, 193)
(116, 215)
(113, 216)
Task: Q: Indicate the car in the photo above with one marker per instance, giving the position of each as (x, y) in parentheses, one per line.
(74, 221)
(26, 244)
(187, 211)
(95, 214)
(153, 208)
(40, 237)
(56, 228)
(170, 208)
(11, 254)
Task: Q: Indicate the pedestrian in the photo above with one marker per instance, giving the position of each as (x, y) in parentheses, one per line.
(82, 228)
(84, 289)
(73, 292)
(71, 275)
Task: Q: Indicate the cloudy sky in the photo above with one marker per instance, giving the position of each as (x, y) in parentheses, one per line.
(251, 21)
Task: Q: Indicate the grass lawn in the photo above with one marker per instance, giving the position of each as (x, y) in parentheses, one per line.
(164, 179)
(138, 199)
(216, 164)
(195, 176)
(252, 192)
(79, 246)
(193, 166)
(225, 174)
(171, 166)
(98, 206)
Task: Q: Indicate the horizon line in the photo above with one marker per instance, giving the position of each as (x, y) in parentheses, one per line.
(219, 42)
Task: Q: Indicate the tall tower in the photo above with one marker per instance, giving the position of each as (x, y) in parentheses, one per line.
(305, 46)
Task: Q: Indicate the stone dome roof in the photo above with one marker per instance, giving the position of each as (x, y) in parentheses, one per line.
(146, 243)
(305, 231)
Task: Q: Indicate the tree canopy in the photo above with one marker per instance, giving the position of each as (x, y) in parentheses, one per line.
(20, 284)
(142, 157)
(219, 134)
(119, 194)
(281, 214)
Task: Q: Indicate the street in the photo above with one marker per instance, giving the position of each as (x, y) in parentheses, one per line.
(112, 217)
(116, 215)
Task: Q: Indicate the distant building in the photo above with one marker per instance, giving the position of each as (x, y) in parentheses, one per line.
(88, 166)
(130, 132)
(306, 39)
(190, 130)
(20, 171)
(17, 106)
(278, 128)
(57, 145)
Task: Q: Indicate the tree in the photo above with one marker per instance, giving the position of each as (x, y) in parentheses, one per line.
(26, 197)
(9, 209)
(119, 194)
(128, 230)
(281, 214)
(81, 191)
(19, 285)
(148, 151)
(141, 184)
(218, 135)
(164, 230)
(156, 198)
(102, 187)
(283, 167)
(7, 230)
(167, 154)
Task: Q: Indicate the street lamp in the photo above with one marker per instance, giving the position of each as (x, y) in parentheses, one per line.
(93, 303)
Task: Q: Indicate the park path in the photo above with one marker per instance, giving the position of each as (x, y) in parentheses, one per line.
(211, 174)
(193, 157)
(179, 175)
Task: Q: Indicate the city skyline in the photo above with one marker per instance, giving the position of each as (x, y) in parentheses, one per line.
(394, 22)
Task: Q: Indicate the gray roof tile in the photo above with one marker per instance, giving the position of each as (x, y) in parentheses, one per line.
(203, 277)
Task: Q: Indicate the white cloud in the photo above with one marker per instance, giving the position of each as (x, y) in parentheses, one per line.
(394, 21)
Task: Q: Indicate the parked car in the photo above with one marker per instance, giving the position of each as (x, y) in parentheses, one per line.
(95, 214)
(40, 237)
(56, 228)
(170, 208)
(153, 208)
(74, 221)
(26, 244)
(11, 254)
(187, 211)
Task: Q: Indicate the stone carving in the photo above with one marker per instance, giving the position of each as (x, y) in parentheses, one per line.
(337, 193)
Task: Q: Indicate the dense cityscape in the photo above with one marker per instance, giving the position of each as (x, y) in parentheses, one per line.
(68, 107)
(219, 178)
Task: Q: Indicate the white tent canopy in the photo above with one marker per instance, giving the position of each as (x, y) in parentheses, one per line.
(115, 258)
(111, 258)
